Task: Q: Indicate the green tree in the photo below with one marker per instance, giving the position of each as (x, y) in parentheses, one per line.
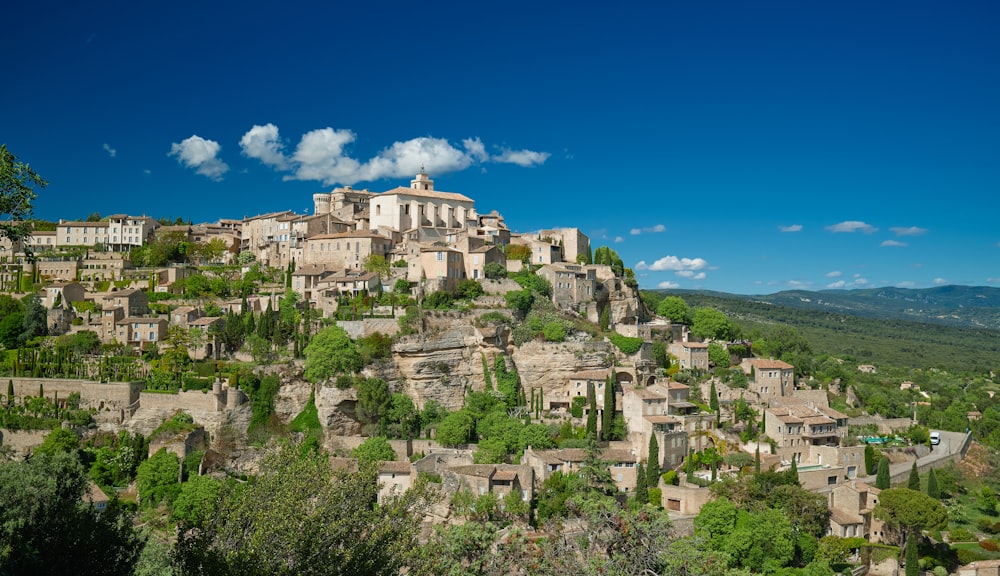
(592, 413)
(494, 270)
(912, 558)
(373, 450)
(59, 440)
(932, 485)
(35, 321)
(871, 462)
(455, 429)
(331, 352)
(373, 402)
(653, 465)
(906, 512)
(197, 501)
(713, 398)
(882, 477)
(718, 355)
(520, 300)
(675, 308)
(17, 192)
(711, 323)
(300, 517)
(47, 528)
(641, 486)
(608, 414)
(913, 482)
(158, 478)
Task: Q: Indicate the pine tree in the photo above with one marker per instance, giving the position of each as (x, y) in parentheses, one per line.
(882, 478)
(914, 481)
(641, 487)
(607, 417)
(653, 469)
(592, 414)
(932, 485)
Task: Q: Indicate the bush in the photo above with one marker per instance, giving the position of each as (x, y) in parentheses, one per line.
(626, 344)
(554, 332)
(656, 497)
(961, 535)
(438, 300)
(493, 317)
(990, 545)
(576, 408)
(671, 477)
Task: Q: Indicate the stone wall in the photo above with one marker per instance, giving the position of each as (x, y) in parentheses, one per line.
(189, 401)
(361, 328)
(99, 395)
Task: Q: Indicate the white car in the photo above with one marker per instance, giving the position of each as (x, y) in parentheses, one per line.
(935, 438)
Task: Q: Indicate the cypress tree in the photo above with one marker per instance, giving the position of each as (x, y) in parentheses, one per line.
(912, 561)
(641, 487)
(592, 414)
(486, 374)
(609, 408)
(713, 398)
(913, 483)
(882, 478)
(715, 468)
(756, 460)
(689, 465)
(793, 473)
(10, 393)
(653, 469)
(870, 461)
(932, 485)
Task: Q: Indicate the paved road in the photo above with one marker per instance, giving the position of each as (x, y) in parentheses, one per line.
(951, 443)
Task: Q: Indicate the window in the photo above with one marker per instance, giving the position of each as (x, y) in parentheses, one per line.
(439, 256)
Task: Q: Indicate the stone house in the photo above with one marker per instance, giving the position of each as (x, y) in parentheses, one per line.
(62, 294)
(259, 232)
(395, 478)
(621, 462)
(769, 378)
(576, 386)
(441, 267)
(344, 250)
(498, 479)
(690, 355)
(140, 331)
(134, 302)
(211, 344)
(96, 497)
(796, 427)
(58, 269)
(572, 284)
(851, 505)
(573, 242)
(82, 234)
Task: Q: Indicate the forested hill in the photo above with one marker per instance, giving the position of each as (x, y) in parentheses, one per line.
(872, 337)
(963, 306)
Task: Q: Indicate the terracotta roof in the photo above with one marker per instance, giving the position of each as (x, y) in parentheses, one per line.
(694, 345)
(206, 321)
(647, 394)
(661, 419)
(345, 464)
(671, 385)
(505, 475)
(94, 494)
(770, 364)
(479, 470)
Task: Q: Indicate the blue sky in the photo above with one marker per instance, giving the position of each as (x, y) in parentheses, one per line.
(746, 147)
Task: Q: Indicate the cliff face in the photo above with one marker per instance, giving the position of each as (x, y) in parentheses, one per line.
(440, 366)
(548, 366)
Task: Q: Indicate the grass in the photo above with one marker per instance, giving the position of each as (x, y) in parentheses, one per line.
(307, 422)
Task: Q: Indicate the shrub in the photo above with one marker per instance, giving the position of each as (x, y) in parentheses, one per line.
(990, 545)
(961, 535)
(493, 317)
(576, 408)
(626, 344)
(554, 332)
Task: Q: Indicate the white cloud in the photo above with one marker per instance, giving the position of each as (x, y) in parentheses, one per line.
(893, 243)
(834, 274)
(524, 158)
(668, 284)
(940, 281)
(673, 263)
(837, 284)
(993, 280)
(908, 231)
(111, 151)
(264, 144)
(619, 239)
(858, 281)
(201, 155)
(852, 226)
(792, 228)
(323, 155)
(649, 229)
(691, 274)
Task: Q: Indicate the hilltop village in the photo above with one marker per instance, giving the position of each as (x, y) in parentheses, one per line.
(408, 329)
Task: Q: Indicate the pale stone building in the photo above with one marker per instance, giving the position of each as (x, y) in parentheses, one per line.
(346, 250)
(83, 233)
(769, 378)
(419, 206)
(572, 284)
(127, 232)
(690, 355)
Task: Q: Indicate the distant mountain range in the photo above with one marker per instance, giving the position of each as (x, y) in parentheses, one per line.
(960, 306)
